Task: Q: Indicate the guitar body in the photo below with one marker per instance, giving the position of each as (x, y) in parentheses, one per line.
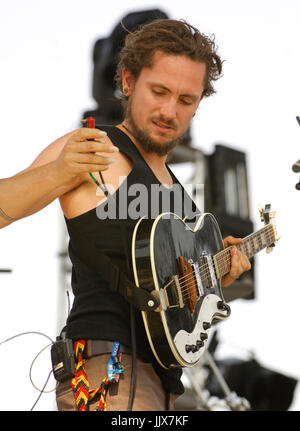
(169, 249)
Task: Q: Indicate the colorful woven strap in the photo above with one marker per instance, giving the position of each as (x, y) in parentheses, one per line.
(83, 393)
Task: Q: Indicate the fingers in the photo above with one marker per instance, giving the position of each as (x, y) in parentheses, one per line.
(90, 147)
(92, 162)
(89, 141)
(85, 133)
(239, 264)
(83, 146)
(231, 240)
(81, 155)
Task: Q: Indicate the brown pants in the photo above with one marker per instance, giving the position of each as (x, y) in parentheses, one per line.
(149, 394)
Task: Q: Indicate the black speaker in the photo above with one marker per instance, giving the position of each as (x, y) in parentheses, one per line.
(227, 198)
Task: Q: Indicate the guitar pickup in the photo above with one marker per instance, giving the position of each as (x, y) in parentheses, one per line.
(196, 271)
(171, 294)
(208, 274)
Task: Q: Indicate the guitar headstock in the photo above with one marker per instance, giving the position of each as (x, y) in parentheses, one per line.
(267, 217)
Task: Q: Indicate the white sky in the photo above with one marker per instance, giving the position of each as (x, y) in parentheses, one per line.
(46, 75)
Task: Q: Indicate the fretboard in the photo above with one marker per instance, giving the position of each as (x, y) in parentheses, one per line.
(250, 245)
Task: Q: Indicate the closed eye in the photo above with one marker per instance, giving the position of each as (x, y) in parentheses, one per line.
(184, 99)
(158, 93)
(186, 102)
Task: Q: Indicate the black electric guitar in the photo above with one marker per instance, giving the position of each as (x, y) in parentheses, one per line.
(183, 267)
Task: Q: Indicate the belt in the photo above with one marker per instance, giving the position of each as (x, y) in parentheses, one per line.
(98, 347)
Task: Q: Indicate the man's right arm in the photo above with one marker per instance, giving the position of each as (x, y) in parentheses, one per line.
(61, 167)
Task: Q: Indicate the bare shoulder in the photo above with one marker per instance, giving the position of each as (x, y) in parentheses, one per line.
(52, 151)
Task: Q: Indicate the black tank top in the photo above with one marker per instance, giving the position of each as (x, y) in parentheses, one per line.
(98, 312)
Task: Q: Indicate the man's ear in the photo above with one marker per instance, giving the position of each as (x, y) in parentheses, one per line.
(127, 82)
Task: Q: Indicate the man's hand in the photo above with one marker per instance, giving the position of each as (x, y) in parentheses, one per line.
(79, 154)
(239, 261)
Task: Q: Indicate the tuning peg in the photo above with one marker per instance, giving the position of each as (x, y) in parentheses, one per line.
(261, 212)
(272, 214)
(266, 214)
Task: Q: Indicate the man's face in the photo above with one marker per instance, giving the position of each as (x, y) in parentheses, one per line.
(163, 100)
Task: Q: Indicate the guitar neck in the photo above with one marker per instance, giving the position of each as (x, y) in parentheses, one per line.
(250, 245)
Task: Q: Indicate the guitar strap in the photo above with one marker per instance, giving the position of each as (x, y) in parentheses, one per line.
(118, 281)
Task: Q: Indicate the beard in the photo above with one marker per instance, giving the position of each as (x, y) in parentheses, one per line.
(143, 137)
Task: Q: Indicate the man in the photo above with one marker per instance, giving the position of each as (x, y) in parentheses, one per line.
(165, 70)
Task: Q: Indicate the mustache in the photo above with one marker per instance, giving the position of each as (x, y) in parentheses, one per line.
(166, 122)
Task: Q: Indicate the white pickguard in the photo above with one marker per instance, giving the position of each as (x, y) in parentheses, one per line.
(207, 311)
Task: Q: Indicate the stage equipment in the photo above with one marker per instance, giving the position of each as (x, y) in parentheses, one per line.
(296, 165)
(214, 384)
(228, 200)
(265, 389)
(62, 357)
(197, 395)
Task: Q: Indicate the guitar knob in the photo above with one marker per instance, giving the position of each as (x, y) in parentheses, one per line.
(206, 325)
(224, 307)
(188, 348)
(199, 344)
(203, 336)
(221, 305)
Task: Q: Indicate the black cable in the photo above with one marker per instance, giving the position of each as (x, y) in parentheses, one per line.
(69, 304)
(44, 335)
(41, 391)
(133, 359)
(25, 333)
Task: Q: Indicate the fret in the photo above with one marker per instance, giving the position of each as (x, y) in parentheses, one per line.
(246, 249)
(243, 247)
(251, 245)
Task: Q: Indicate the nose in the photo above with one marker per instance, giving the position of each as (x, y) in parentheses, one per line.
(168, 109)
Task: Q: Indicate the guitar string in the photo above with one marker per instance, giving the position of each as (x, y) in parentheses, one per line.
(223, 260)
(189, 280)
(188, 284)
(226, 258)
(268, 236)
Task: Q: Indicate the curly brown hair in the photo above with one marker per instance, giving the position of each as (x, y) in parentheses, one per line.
(171, 37)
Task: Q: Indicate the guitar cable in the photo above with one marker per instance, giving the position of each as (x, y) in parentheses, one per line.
(133, 359)
(132, 328)
(32, 363)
